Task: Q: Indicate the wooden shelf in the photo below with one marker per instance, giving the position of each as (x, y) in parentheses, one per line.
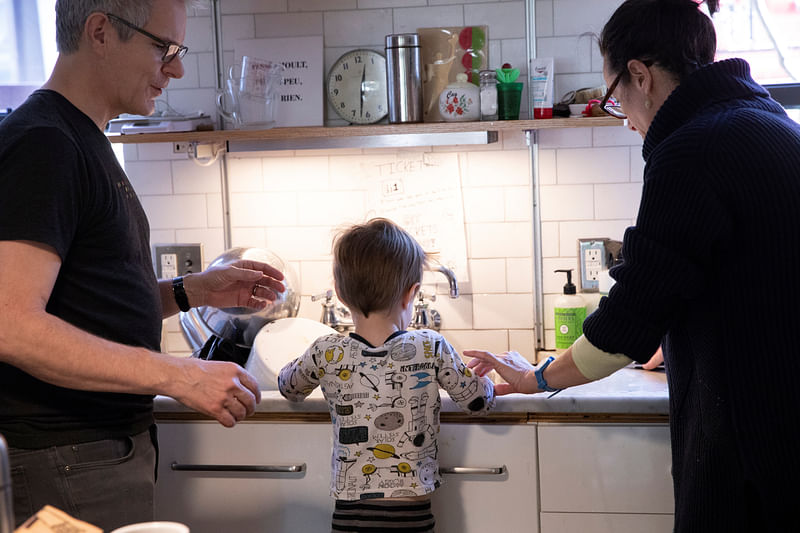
(320, 133)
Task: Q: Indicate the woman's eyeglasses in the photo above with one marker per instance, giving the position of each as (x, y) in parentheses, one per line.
(610, 105)
(171, 50)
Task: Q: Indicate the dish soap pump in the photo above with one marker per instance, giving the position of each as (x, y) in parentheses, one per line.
(570, 312)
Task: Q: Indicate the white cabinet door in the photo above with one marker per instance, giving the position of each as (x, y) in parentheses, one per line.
(605, 468)
(606, 523)
(246, 502)
(486, 501)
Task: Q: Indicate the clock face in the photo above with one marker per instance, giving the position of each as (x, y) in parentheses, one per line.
(357, 86)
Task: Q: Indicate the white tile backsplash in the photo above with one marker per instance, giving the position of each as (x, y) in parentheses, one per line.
(292, 202)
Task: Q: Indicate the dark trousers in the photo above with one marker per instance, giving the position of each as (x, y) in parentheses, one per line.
(108, 483)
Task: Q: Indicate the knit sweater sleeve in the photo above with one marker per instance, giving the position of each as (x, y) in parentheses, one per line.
(680, 225)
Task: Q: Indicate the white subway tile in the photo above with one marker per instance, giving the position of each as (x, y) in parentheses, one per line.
(162, 236)
(214, 203)
(456, 313)
(572, 231)
(130, 152)
(519, 274)
(295, 173)
(567, 202)
(212, 239)
(316, 277)
(617, 201)
(495, 341)
(157, 152)
(453, 2)
(206, 74)
(547, 166)
(235, 27)
(300, 243)
(308, 309)
(570, 54)
(506, 167)
(172, 324)
(373, 4)
(321, 5)
(318, 208)
(550, 239)
(484, 204)
(187, 101)
(253, 6)
(247, 237)
(617, 136)
(593, 165)
(513, 140)
(637, 165)
(189, 177)
(487, 275)
(495, 53)
(524, 342)
(288, 24)
(184, 211)
(412, 18)
(149, 177)
(494, 311)
(515, 52)
(549, 339)
(357, 28)
(507, 239)
(573, 17)
(177, 344)
(506, 20)
(565, 137)
(357, 172)
(518, 204)
(544, 19)
(264, 209)
(199, 35)
(245, 174)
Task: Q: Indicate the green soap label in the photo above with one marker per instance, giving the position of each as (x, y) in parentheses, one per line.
(569, 325)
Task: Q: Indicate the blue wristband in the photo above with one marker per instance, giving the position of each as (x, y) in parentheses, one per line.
(540, 381)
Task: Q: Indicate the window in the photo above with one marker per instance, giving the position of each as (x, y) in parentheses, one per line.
(765, 33)
(27, 47)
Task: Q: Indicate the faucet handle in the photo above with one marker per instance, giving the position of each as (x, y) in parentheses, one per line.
(328, 295)
(422, 296)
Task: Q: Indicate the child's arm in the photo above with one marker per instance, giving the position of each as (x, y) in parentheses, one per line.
(473, 393)
(299, 378)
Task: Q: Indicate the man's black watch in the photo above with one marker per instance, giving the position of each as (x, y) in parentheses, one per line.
(180, 294)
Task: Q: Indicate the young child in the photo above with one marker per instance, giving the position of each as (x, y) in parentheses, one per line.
(382, 385)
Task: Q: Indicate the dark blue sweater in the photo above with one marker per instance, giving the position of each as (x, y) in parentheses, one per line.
(712, 268)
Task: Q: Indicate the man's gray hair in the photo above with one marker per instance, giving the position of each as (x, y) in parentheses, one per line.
(71, 17)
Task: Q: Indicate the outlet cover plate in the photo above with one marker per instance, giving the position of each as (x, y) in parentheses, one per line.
(172, 260)
(591, 259)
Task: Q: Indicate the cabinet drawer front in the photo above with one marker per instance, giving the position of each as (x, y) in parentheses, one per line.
(605, 468)
(606, 523)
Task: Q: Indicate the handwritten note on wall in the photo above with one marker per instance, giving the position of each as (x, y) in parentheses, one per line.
(422, 193)
(300, 96)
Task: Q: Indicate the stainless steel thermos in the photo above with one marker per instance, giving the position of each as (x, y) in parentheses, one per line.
(404, 77)
(6, 509)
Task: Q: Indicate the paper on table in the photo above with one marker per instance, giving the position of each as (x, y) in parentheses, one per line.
(52, 520)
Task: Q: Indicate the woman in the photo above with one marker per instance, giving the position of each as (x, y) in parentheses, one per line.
(716, 237)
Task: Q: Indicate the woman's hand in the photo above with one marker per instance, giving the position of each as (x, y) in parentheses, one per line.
(511, 366)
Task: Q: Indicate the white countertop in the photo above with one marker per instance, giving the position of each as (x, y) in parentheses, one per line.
(628, 391)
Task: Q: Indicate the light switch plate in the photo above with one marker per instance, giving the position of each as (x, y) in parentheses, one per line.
(172, 260)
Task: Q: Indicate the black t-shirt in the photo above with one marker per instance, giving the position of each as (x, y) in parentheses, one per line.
(61, 185)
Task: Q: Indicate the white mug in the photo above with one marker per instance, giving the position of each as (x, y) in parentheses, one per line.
(153, 527)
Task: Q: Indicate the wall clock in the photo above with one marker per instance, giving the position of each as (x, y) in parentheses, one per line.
(357, 86)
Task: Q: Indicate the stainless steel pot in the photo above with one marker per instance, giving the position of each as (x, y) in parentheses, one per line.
(241, 324)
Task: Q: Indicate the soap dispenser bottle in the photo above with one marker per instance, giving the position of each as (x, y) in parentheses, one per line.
(570, 312)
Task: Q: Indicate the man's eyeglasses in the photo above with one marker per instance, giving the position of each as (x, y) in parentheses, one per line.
(612, 107)
(171, 50)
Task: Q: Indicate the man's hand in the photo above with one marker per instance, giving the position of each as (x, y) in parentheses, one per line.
(654, 361)
(222, 390)
(243, 283)
(511, 366)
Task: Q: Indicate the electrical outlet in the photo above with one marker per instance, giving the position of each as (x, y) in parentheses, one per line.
(181, 147)
(592, 259)
(172, 260)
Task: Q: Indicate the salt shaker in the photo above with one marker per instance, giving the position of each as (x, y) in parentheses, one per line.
(488, 94)
(460, 101)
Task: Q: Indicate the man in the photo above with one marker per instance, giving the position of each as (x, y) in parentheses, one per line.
(80, 308)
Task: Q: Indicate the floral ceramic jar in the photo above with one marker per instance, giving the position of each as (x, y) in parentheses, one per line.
(460, 101)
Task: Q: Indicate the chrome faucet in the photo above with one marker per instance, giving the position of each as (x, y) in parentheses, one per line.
(451, 279)
(336, 317)
(425, 318)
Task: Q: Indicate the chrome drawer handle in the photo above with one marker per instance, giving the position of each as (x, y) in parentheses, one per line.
(239, 468)
(497, 471)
